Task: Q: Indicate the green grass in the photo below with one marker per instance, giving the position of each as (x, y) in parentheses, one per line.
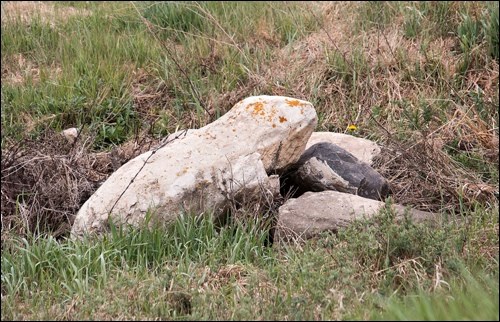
(96, 62)
(98, 54)
(406, 73)
(459, 301)
(196, 270)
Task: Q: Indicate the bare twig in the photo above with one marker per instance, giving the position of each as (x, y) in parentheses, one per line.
(183, 133)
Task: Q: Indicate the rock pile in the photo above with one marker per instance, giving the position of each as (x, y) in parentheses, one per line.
(263, 143)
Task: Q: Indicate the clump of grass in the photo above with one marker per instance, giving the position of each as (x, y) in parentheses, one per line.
(196, 269)
(70, 269)
(413, 21)
(460, 303)
(469, 33)
(176, 19)
(491, 29)
(442, 16)
(474, 32)
(376, 14)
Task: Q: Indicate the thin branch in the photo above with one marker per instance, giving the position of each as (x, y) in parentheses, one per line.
(183, 133)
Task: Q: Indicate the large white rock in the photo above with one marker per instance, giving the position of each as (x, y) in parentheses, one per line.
(363, 149)
(229, 158)
(316, 212)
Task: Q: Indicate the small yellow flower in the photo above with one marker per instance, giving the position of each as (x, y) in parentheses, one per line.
(352, 127)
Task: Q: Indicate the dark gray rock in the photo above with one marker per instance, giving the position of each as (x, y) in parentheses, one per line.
(363, 149)
(326, 166)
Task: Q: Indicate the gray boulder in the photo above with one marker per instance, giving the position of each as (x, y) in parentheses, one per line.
(326, 166)
(316, 212)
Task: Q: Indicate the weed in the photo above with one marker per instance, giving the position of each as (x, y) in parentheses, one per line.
(491, 30)
(413, 21)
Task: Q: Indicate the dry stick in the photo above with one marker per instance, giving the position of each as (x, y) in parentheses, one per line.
(388, 45)
(184, 132)
(172, 57)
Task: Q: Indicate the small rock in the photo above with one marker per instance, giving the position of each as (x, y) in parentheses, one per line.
(70, 134)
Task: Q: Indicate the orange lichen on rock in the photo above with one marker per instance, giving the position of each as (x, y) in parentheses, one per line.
(294, 102)
(271, 114)
(258, 108)
(183, 171)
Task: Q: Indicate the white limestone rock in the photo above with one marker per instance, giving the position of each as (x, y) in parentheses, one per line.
(316, 212)
(70, 134)
(229, 158)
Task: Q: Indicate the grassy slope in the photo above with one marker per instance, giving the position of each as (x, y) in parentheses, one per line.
(372, 270)
(417, 77)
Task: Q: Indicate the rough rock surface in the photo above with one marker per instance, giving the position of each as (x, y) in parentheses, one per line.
(229, 158)
(363, 149)
(326, 166)
(316, 212)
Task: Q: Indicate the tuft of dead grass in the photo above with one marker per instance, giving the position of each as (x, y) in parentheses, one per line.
(18, 69)
(26, 11)
(46, 180)
(424, 175)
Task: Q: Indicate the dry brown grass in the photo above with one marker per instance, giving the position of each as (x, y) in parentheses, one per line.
(45, 11)
(46, 180)
(18, 69)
